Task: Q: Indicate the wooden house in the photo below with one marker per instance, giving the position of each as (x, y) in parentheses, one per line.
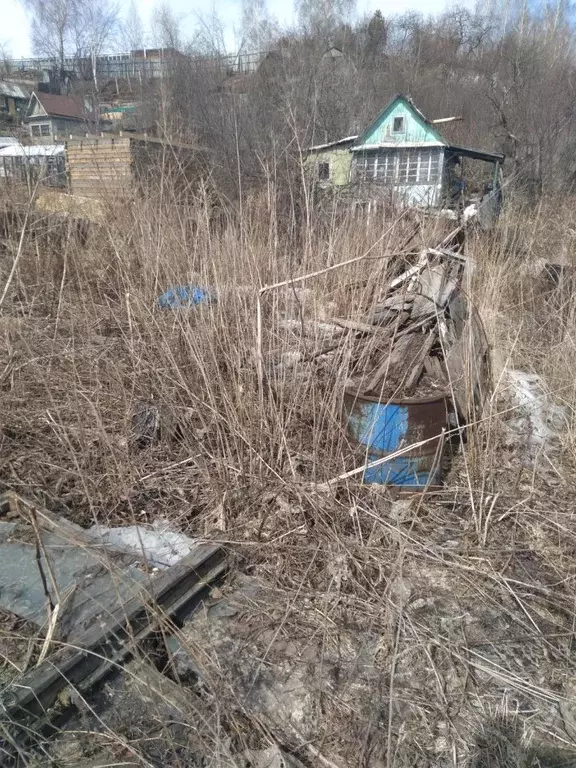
(50, 117)
(403, 156)
(118, 166)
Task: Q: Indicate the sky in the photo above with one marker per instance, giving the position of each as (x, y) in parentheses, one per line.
(14, 24)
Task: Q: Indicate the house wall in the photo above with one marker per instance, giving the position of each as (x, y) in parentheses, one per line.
(59, 126)
(339, 160)
(389, 178)
(416, 129)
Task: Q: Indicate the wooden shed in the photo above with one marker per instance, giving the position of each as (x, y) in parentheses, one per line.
(118, 166)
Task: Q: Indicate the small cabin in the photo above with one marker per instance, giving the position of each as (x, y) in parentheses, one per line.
(401, 156)
(50, 117)
(117, 166)
(13, 102)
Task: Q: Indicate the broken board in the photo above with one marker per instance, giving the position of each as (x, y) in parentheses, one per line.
(112, 622)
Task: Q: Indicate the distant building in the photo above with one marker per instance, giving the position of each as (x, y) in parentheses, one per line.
(402, 156)
(13, 102)
(50, 116)
(44, 164)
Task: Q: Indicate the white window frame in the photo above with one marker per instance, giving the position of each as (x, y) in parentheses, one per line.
(37, 132)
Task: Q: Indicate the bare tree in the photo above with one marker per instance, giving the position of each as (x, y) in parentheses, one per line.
(52, 28)
(5, 56)
(96, 26)
(209, 35)
(320, 18)
(166, 26)
(133, 28)
(257, 26)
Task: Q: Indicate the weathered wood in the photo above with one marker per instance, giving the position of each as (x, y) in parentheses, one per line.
(418, 365)
(356, 325)
(389, 317)
(398, 301)
(430, 289)
(391, 364)
(467, 357)
(95, 651)
(435, 369)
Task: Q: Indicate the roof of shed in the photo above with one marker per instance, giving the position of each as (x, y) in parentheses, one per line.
(330, 144)
(12, 90)
(36, 150)
(476, 154)
(62, 106)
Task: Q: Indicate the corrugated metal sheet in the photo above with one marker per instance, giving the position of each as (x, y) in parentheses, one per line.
(345, 140)
(8, 141)
(13, 91)
(43, 150)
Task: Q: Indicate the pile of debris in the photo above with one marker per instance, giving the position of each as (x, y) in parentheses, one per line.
(421, 338)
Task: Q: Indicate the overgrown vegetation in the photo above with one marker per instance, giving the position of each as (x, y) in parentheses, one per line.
(435, 630)
(457, 605)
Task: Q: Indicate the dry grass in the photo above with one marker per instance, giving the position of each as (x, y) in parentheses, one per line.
(435, 631)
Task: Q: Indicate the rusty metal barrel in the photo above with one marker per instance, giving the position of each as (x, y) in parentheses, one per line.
(383, 428)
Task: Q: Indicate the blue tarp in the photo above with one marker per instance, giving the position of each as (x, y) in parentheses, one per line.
(182, 296)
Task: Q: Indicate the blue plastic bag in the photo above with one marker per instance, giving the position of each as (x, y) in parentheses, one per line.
(185, 296)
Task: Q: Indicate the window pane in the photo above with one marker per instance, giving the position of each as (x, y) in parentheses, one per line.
(370, 166)
(45, 129)
(323, 171)
(365, 166)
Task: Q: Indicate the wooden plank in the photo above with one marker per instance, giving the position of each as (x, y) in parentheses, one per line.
(355, 325)
(429, 288)
(100, 153)
(435, 369)
(418, 365)
(467, 358)
(91, 156)
(75, 162)
(389, 317)
(390, 364)
(398, 301)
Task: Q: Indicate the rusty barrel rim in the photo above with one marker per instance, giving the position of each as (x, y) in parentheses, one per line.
(442, 395)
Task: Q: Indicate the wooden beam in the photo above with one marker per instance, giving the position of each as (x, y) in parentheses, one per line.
(447, 120)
